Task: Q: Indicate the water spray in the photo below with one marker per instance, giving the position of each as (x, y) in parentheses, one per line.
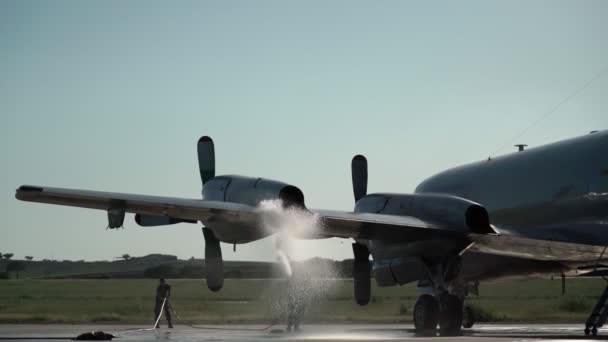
(308, 281)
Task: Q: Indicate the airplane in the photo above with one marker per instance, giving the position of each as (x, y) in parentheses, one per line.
(537, 211)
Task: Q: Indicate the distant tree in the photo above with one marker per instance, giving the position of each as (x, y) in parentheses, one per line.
(15, 266)
(191, 271)
(126, 257)
(160, 271)
(29, 258)
(7, 256)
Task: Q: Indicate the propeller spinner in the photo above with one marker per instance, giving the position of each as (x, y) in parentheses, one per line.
(206, 158)
(359, 172)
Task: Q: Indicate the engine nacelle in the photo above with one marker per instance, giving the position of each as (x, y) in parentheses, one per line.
(457, 213)
(251, 191)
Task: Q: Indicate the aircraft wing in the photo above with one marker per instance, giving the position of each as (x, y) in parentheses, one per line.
(403, 228)
(178, 208)
(330, 223)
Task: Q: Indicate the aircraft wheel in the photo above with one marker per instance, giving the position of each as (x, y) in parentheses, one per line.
(426, 313)
(468, 317)
(594, 331)
(450, 315)
(587, 331)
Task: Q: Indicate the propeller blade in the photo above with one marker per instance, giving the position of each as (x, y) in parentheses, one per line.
(206, 158)
(359, 172)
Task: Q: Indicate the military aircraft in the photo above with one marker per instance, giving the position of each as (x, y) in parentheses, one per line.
(541, 210)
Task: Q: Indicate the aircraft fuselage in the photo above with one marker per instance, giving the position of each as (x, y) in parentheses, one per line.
(555, 192)
(564, 182)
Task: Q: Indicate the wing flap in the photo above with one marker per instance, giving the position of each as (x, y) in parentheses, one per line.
(519, 246)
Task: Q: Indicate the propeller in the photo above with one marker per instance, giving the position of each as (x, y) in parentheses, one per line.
(362, 268)
(359, 172)
(206, 158)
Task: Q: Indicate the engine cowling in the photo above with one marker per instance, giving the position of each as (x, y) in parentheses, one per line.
(251, 191)
(456, 213)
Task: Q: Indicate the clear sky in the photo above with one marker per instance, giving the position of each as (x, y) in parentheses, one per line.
(113, 95)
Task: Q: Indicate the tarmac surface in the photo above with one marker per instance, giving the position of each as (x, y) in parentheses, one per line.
(316, 332)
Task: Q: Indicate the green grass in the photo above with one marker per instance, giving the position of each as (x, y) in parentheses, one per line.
(133, 268)
(533, 300)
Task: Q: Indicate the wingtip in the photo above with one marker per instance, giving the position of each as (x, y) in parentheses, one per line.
(27, 191)
(29, 188)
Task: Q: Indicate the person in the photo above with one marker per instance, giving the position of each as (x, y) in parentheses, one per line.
(163, 292)
(295, 304)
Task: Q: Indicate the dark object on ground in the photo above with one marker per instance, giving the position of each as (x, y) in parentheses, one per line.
(94, 336)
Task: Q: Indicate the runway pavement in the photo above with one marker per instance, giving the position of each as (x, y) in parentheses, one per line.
(325, 332)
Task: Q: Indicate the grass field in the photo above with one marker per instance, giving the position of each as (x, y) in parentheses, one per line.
(263, 301)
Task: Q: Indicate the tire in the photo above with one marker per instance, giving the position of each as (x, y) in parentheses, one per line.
(450, 315)
(468, 317)
(426, 313)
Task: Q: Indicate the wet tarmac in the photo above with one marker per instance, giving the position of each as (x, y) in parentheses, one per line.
(325, 332)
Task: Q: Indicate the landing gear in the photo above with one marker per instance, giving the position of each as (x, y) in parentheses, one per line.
(599, 315)
(450, 314)
(447, 311)
(592, 331)
(446, 306)
(426, 313)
